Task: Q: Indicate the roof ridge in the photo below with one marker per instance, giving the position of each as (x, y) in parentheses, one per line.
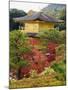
(40, 16)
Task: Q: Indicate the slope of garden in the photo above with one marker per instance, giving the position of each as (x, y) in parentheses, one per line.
(37, 61)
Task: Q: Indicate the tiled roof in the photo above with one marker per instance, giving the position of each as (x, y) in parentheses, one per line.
(37, 16)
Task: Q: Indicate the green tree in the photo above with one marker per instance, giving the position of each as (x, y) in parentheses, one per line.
(62, 16)
(13, 13)
(18, 47)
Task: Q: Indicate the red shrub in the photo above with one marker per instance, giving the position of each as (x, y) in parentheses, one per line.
(33, 41)
(25, 71)
(51, 52)
(38, 61)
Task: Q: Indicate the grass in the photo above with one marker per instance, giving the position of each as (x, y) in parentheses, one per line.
(40, 81)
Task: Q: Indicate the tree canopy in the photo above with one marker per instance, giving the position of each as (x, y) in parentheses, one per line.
(13, 13)
(18, 47)
(62, 16)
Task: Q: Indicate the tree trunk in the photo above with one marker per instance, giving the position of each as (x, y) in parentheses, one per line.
(19, 74)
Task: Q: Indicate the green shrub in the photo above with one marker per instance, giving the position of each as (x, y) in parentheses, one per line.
(33, 74)
(60, 69)
(52, 35)
(60, 49)
(48, 71)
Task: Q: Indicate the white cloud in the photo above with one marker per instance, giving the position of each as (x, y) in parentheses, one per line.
(27, 6)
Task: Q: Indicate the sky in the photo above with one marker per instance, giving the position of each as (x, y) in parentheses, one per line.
(27, 6)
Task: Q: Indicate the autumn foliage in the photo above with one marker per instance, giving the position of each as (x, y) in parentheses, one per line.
(37, 59)
(25, 55)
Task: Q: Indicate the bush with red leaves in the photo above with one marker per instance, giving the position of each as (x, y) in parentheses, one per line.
(34, 41)
(51, 51)
(38, 61)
